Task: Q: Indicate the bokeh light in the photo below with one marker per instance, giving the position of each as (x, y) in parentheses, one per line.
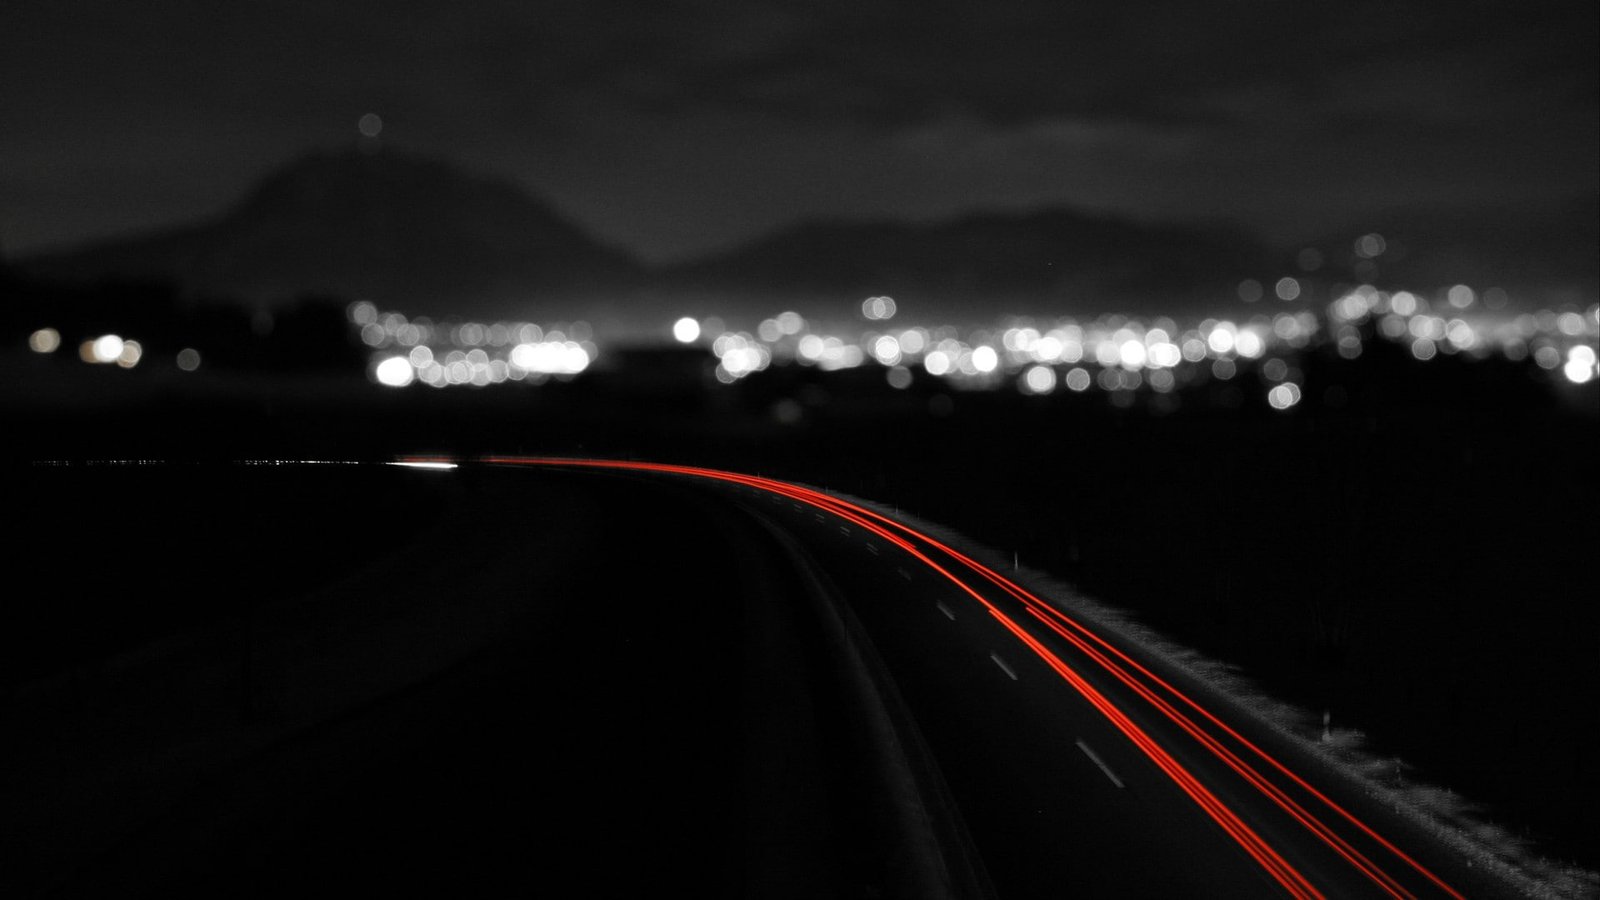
(44, 340)
(1580, 365)
(1284, 395)
(393, 371)
(878, 309)
(106, 348)
(984, 359)
(1039, 379)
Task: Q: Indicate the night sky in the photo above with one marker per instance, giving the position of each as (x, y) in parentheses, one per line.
(673, 128)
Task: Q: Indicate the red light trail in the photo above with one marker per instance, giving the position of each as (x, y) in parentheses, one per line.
(1118, 664)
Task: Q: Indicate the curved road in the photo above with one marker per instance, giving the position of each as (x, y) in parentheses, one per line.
(640, 678)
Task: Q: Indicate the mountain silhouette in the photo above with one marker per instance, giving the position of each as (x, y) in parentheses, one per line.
(406, 231)
(425, 236)
(1052, 260)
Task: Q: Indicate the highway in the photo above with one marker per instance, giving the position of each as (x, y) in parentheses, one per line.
(1073, 758)
(641, 678)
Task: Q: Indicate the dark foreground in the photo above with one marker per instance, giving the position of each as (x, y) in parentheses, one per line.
(1411, 561)
(476, 686)
(518, 678)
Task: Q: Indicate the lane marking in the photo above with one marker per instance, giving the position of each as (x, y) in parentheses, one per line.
(952, 617)
(1101, 763)
(873, 549)
(820, 517)
(903, 573)
(844, 531)
(1001, 663)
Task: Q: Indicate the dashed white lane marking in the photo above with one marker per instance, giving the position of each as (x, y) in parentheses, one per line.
(799, 508)
(1001, 663)
(1099, 762)
(844, 531)
(872, 549)
(904, 574)
(952, 617)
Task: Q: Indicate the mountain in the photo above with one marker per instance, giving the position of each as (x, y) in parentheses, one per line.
(425, 237)
(408, 232)
(1052, 261)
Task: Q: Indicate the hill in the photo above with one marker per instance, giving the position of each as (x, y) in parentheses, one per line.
(406, 231)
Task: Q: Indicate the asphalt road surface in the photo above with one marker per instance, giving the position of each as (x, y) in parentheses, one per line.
(547, 677)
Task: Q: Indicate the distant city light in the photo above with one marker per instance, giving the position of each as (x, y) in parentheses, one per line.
(1221, 338)
(362, 312)
(395, 371)
(45, 340)
(886, 350)
(878, 309)
(188, 359)
(1039, 379)
(1122, 354)
(1132, 354)
(1164, 354)
(129, 356)
(913, 341)
(107, 348)
(1284, 395)
(1580, 366)
(984, 359)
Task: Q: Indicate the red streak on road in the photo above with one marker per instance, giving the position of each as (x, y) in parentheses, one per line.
(1087, 642)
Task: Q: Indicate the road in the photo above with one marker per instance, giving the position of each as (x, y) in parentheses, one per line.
(639, 678)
